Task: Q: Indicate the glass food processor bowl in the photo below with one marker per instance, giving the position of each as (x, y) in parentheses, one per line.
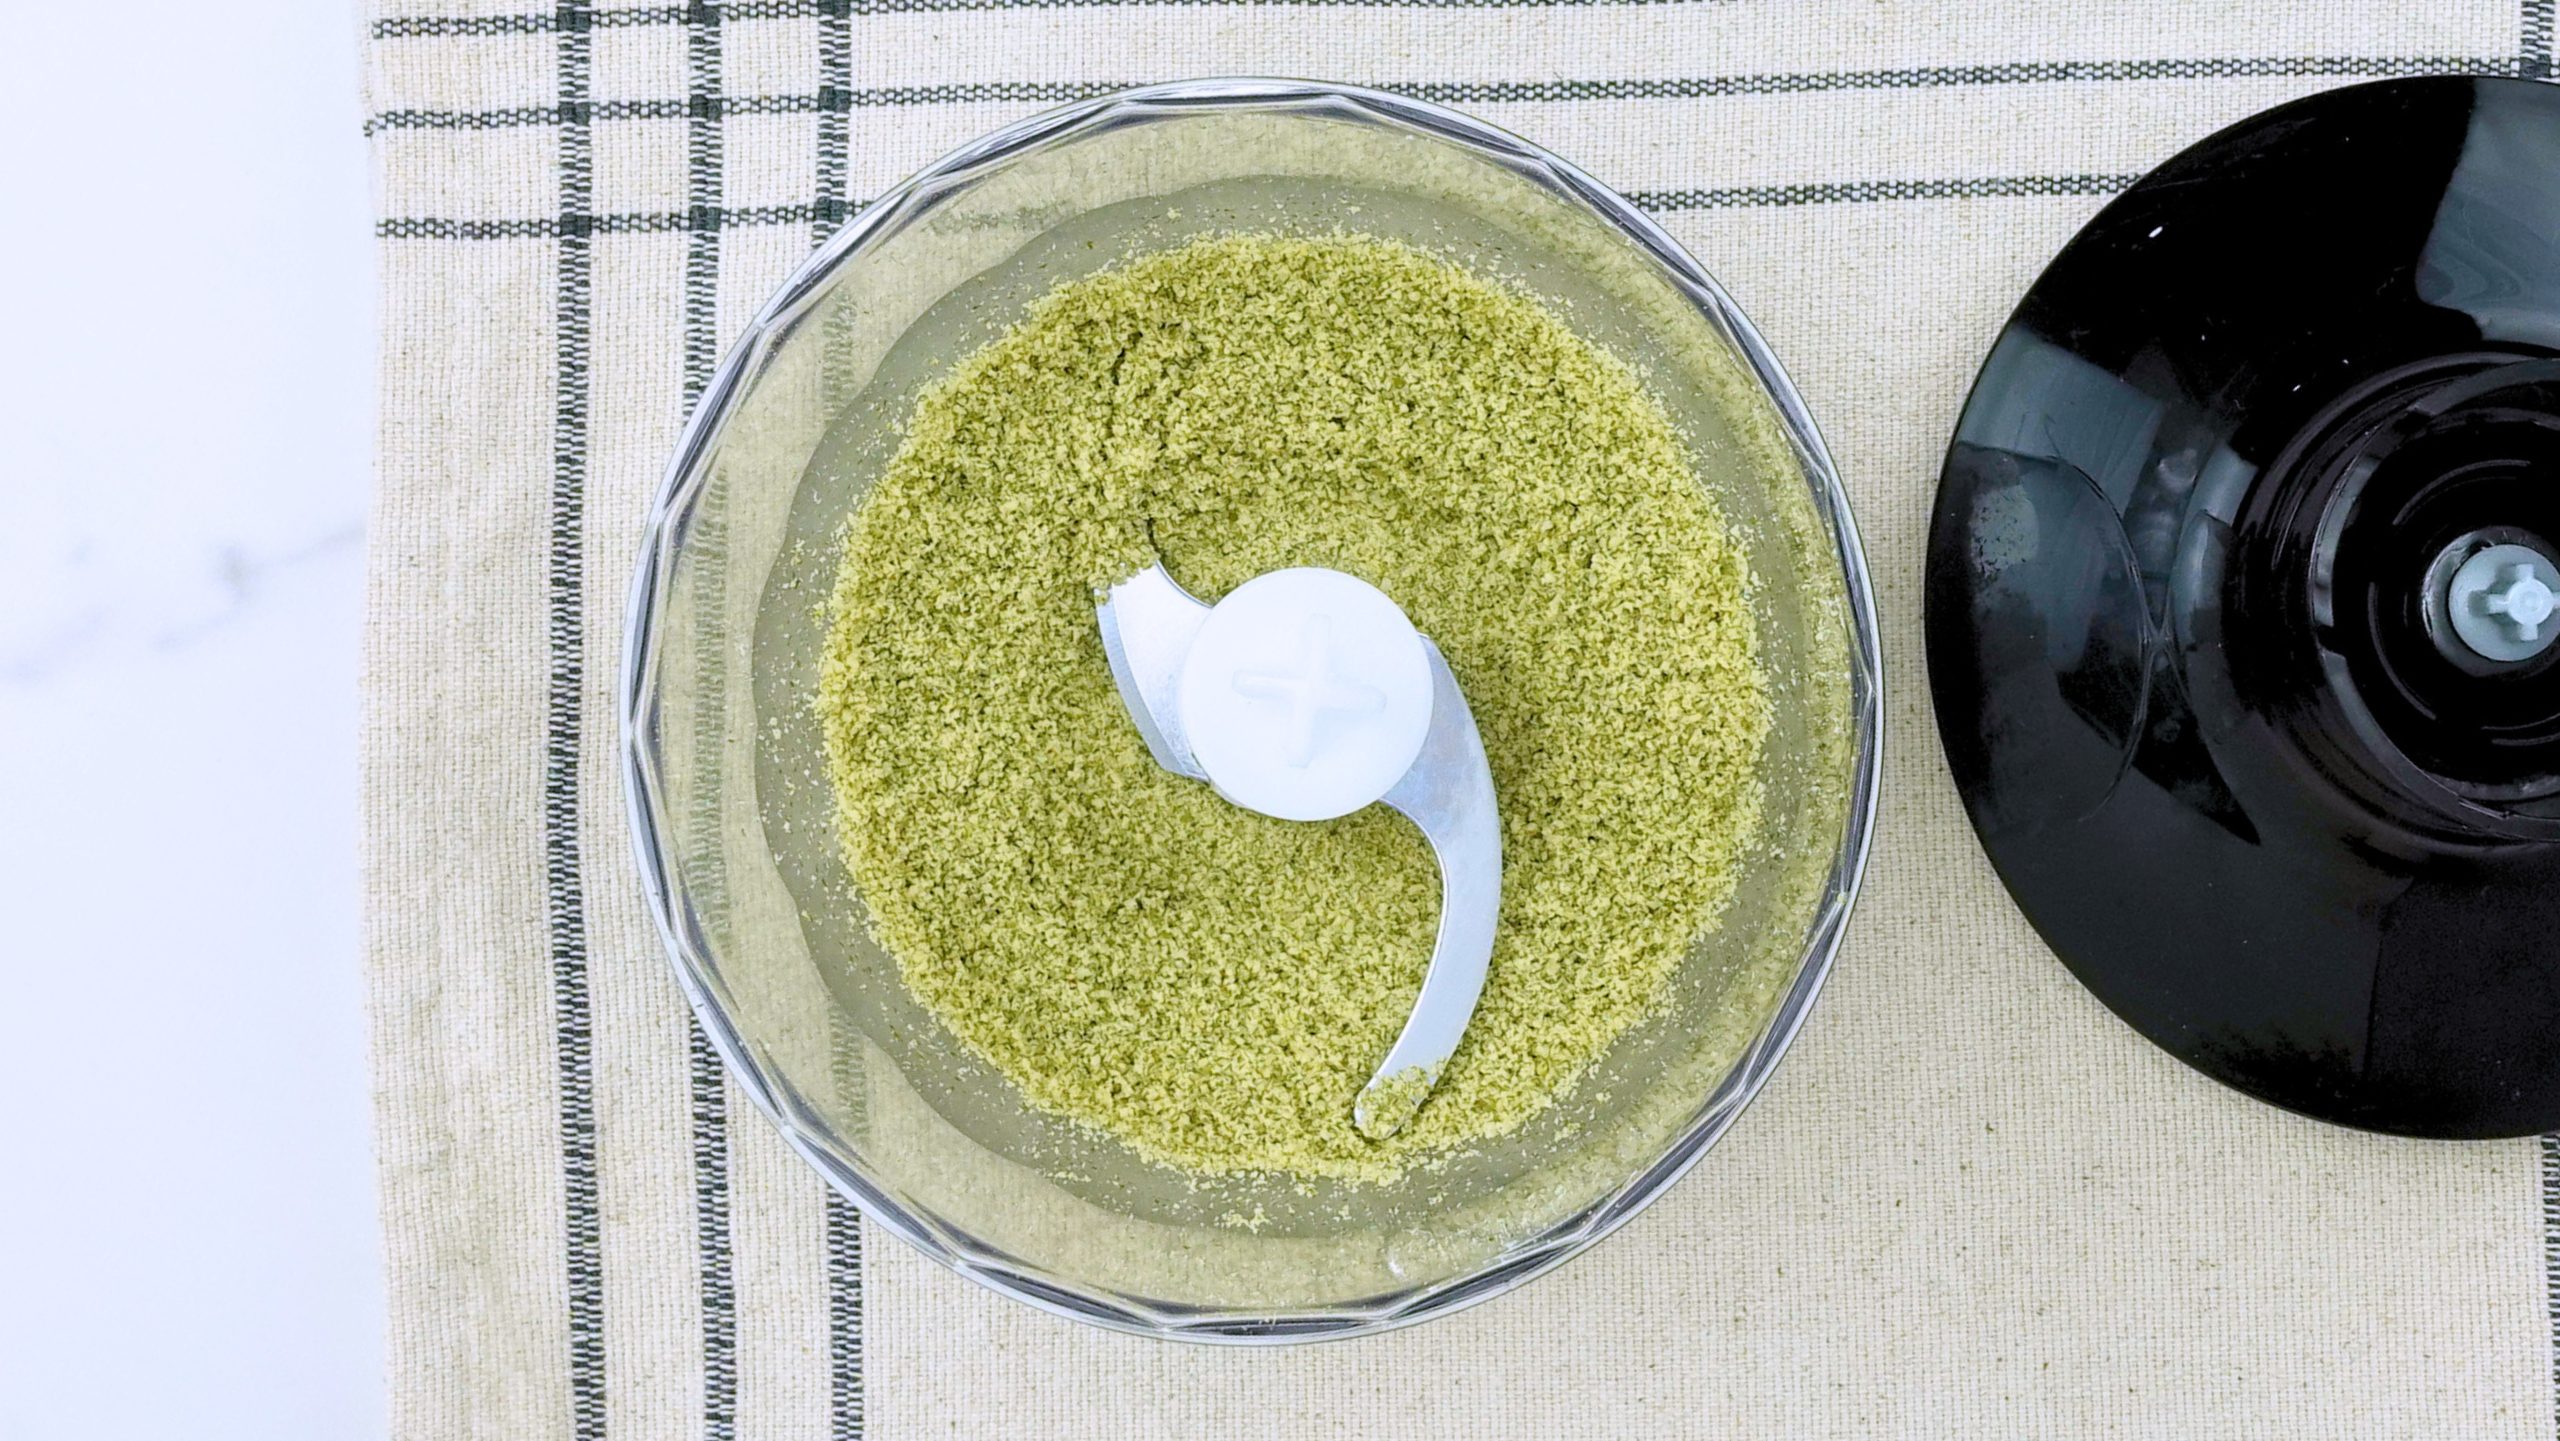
(733, 817)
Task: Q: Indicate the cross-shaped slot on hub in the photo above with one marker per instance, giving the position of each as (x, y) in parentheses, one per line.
(1312, 692)
(2524, 602)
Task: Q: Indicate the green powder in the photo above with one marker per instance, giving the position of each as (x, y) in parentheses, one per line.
(1210, 985)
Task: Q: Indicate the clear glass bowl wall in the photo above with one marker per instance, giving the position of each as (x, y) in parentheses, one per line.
(732, 812)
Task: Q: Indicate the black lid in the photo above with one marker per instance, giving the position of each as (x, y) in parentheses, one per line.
(2187, 606)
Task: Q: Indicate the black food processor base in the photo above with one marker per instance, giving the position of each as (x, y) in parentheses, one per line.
(2238, 606)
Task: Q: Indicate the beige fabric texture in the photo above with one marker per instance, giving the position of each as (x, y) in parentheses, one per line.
(1972, 1203)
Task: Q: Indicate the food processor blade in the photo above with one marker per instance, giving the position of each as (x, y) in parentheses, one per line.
(1151, 630)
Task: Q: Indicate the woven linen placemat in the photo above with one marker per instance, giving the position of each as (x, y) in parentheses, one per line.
(1972, 1203)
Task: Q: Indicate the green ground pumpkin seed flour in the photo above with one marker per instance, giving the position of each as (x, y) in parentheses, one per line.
(1210, 985)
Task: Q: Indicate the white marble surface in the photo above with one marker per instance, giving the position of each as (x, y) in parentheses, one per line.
(186, 1204)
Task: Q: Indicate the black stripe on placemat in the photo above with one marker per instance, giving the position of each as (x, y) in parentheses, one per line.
(564, 703)
(633, 222)
(846, 1411)
(413, 27)
(845, 1401)
(831, 98)
(516, 116)
(718, 1294)
(1864, 192)
(1926, 77)
(421, 27)
(2534, 61)
(394, 227)
(1845, 192)
(429, 27)
(2551, 1257)
(835, 122)
(711, 1229)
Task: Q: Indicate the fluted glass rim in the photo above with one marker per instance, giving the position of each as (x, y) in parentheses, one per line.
(697, 969)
